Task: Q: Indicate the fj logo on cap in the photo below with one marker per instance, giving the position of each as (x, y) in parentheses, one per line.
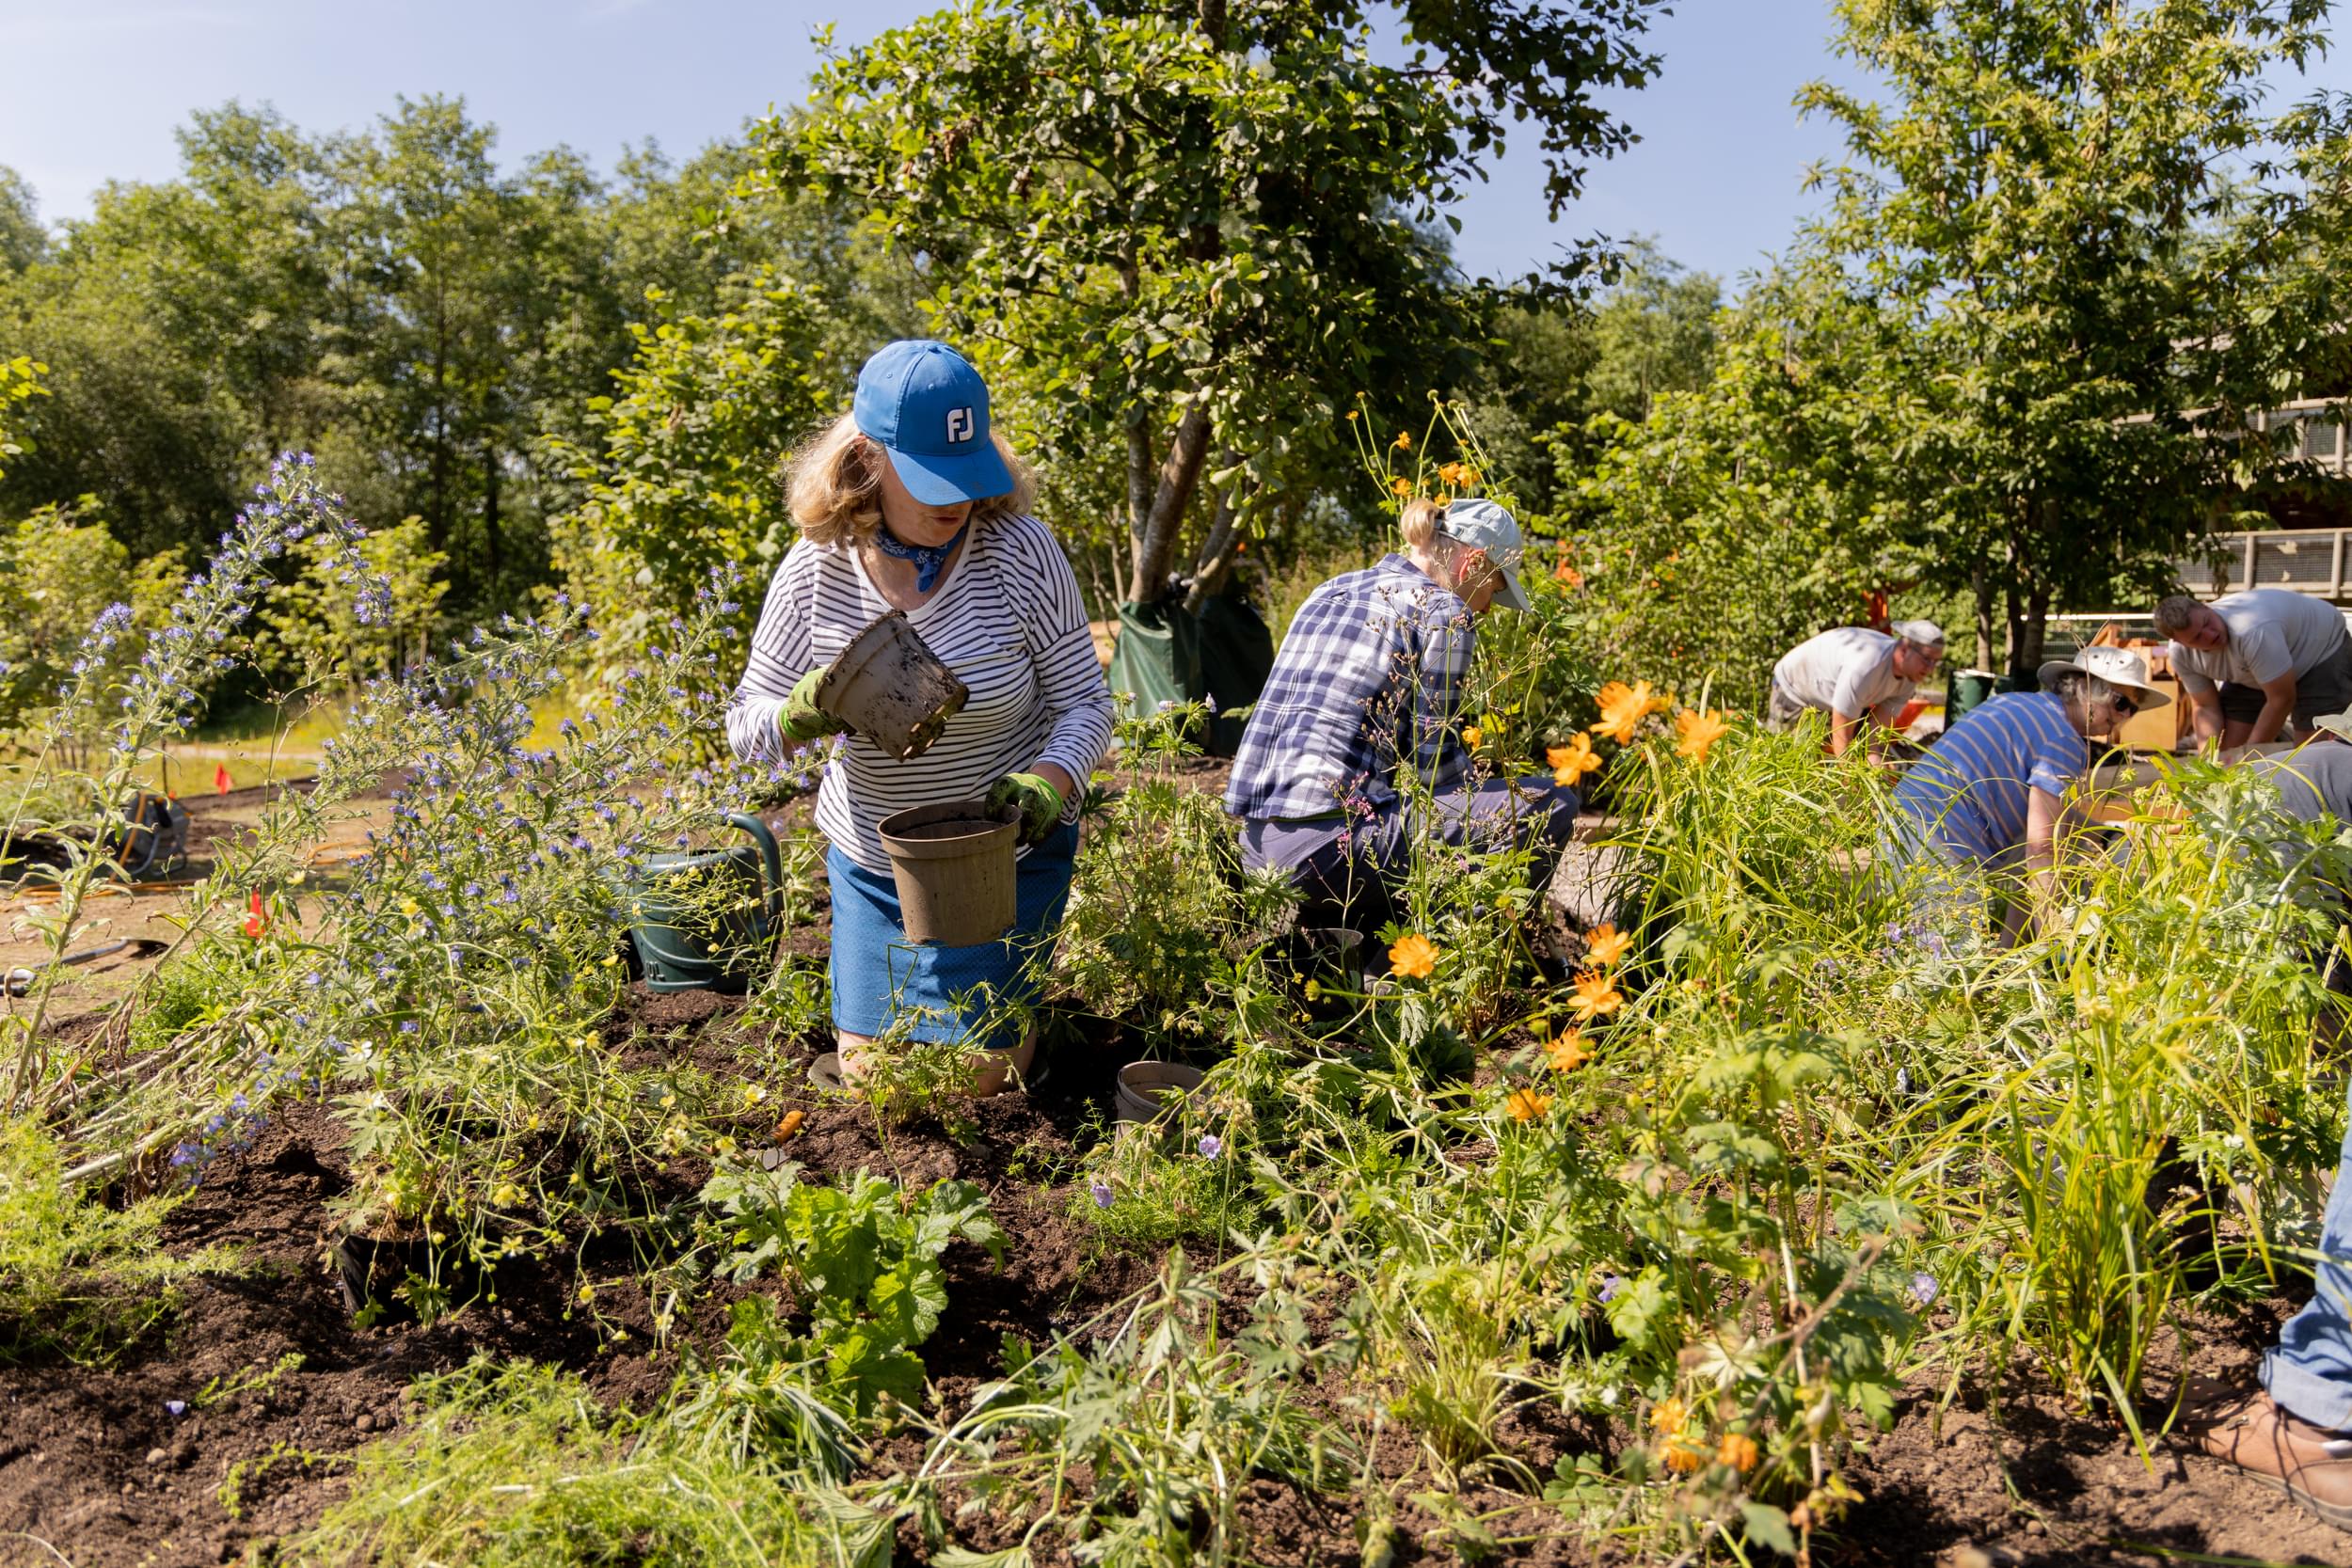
(959, 424)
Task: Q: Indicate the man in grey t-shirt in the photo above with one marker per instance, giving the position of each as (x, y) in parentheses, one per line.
(1852, 674)
(2251, 662)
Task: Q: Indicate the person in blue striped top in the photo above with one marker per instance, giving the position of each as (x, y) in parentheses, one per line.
(1989, 797)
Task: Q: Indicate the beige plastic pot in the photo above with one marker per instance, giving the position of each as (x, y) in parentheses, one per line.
(1146, 1090)
(955, 870)
(891, 689)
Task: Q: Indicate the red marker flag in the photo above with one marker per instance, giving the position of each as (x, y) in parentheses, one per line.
(220, 778)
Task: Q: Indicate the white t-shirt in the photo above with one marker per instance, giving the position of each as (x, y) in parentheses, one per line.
(2273, 632)
(1006, 619)
(2312, 780)
(1848, 671)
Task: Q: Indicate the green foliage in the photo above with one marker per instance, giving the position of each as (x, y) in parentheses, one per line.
(315, 631)
(685, 473)
(520, 1466)
(59, 568)
(20, 382)
(865, 1263)
(78, 1279)
(2048, 206)
(1176, 229)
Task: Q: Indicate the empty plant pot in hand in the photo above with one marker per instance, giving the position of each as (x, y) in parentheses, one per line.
(891, 689)
(955, 870)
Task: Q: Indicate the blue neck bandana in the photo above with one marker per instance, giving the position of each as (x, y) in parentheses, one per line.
(927, 559)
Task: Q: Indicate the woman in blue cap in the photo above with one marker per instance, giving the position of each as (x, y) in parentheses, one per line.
(911, 503)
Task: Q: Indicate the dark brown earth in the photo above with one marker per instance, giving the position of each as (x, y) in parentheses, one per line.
(96, 1472)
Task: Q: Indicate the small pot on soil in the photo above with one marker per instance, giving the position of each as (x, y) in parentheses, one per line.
(1149, 1090)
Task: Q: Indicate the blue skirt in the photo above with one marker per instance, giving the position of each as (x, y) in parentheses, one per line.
(981, 993)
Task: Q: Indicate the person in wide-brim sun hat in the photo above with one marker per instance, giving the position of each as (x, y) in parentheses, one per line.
(912, 502)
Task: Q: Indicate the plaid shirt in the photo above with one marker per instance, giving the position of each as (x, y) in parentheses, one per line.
(1369, 675)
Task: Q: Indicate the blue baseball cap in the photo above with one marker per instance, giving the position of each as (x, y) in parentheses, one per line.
(926, 406)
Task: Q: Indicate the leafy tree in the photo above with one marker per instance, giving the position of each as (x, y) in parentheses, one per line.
(2041, 201)
(681, 477)
(315, 632)
(1177, 230)
(59, 569)
(1737, 519)
(22, 240)
(20, 382)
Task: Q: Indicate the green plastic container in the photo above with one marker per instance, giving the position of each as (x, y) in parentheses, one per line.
(1967, 690)
(706, 920)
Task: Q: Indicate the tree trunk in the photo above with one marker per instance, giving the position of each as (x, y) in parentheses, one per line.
(1178, 475)
(1980, 582)
(1217, 553)
(2035, 630)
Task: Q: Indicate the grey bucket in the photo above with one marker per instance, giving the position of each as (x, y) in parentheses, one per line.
(889, 687)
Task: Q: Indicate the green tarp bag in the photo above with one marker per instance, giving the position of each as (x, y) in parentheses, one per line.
(1221, 654)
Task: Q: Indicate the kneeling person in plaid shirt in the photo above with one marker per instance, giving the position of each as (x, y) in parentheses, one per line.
(1366, 686)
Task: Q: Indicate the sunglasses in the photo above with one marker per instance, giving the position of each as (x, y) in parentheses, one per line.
(2125, 707)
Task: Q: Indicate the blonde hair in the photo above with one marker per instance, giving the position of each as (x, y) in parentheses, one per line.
(833, 485)
(1421, 522)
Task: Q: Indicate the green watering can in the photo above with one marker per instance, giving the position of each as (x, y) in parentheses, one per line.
(705, 920)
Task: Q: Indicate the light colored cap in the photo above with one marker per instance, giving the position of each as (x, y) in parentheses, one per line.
(2336, 725)
(1484, 526)
(1924, 633)
(2116, 666)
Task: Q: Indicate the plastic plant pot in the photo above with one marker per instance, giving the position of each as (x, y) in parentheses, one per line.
(891, 689)
(1149, 1090)
(955, 871)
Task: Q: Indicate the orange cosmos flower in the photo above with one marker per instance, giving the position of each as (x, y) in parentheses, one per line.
(1404, 440)
(1683, 1458)
(1597, 996)
(1414, 956)
(1606, 945)
(1570, 763)
(1669, 1415)
(1739, 1451)
(1623, 707)
(1700, 732)
(1526, 1104)
(1401, 485)
(1567, 1052)
(1472, 735)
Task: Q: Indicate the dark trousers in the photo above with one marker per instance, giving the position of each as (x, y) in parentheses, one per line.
(1347, 871)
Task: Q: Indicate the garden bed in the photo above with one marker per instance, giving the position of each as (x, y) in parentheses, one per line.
(94, 1463)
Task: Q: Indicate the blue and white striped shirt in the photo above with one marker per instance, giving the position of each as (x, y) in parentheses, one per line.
(1368, 676)
(1971, 790)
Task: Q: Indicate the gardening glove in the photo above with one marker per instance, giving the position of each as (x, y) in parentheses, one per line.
(1039, 802)
(802, 719)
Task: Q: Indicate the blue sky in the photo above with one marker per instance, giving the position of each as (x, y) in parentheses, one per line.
(96, 87)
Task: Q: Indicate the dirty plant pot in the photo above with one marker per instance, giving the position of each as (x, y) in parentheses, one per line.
(1148, 1090)
(955, 871)
(891, 689)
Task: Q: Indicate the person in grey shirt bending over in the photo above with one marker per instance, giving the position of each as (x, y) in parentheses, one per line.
(1852, 674)
(2274, 655)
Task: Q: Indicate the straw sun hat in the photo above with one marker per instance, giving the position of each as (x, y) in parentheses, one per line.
(2122, 667)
